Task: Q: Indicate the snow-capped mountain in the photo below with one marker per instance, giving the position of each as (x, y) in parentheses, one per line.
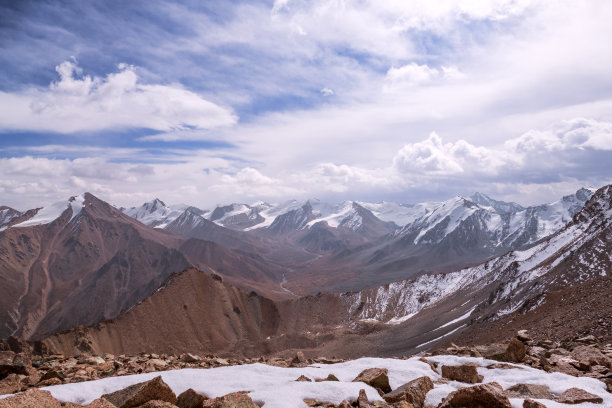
(7, 214)
(516, 282)
(492, 223)
(156, 213)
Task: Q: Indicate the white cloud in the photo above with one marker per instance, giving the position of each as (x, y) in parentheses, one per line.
(579, 133)
(327, 91)
(431, 168)
(118, 100)
(411, 75)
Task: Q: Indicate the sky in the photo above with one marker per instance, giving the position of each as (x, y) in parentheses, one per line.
(208, 103)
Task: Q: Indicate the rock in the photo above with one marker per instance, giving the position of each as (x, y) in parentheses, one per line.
(536, 351)
(11, 384)
(577, 396)
(299, 360)
(317, 403)
(431, 365)
(362, 400)
(529, 403)
(490, 395)
(233, 400)
(156, 364)
(100, 403)
(529, 390)
(465, 373)
(190, 399)
(413, 392)
(330, 377)
(590, 339)
(375, 377)
(514, 352)
(344, 404)
(502, 366)
(523, 335)
(49, 382)
(12, 363)
(30, 399)
(190, 358)
(157, 404)
(402, 404)
(304, 378)
(591, 355)
(53, 373)
(94, 360)
(138, 394)
(563, 364)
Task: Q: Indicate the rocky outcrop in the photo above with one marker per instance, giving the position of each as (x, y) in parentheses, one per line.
(413, 392)
(138, 394)
(190, 399)
(31, 398)
(578, 396)
(490, 395)
(233, 400)
(465, 373)
(529, 391)
(375, 377)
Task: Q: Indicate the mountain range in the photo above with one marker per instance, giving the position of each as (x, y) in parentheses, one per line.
(273, 274)
(402, 317)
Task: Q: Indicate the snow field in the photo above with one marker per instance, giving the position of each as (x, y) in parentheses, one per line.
(275, 387)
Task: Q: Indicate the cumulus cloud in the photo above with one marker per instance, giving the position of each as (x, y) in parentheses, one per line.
(545, 163)
(79, 102)
(579, 133)
(433, 157)
(249, 182)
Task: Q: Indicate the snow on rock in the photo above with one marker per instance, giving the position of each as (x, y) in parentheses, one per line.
(400, 214)
(275, 387)
(48, 214)
(155, 213)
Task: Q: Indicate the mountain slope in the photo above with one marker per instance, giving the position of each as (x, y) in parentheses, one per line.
(70, 253)
(394, 319)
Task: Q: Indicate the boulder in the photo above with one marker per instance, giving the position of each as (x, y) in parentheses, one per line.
(12, 363)
(138, 394)
(233, 400)
(529, 403)
(157, 404)
(375, 377)
(303, 378)
(190, 399)
(465, 373)
(529, 390)
(53, 373)
(490, 395)
(362, 400)
(100, 403)
(578, 396)
(31, 398)
(523, 335)
(413, 392)
(330, 377)
(190, 358)
(299, 360)
(590, 354)
(12, 383)
(590, 339)
(514, 352)
(94, 360)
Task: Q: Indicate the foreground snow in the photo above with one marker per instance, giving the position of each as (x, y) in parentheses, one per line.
(276, 387)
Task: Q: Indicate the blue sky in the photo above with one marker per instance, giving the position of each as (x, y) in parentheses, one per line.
(215, 102)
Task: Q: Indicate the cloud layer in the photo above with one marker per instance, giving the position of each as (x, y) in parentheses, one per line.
(83, 103)
(215, 102)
